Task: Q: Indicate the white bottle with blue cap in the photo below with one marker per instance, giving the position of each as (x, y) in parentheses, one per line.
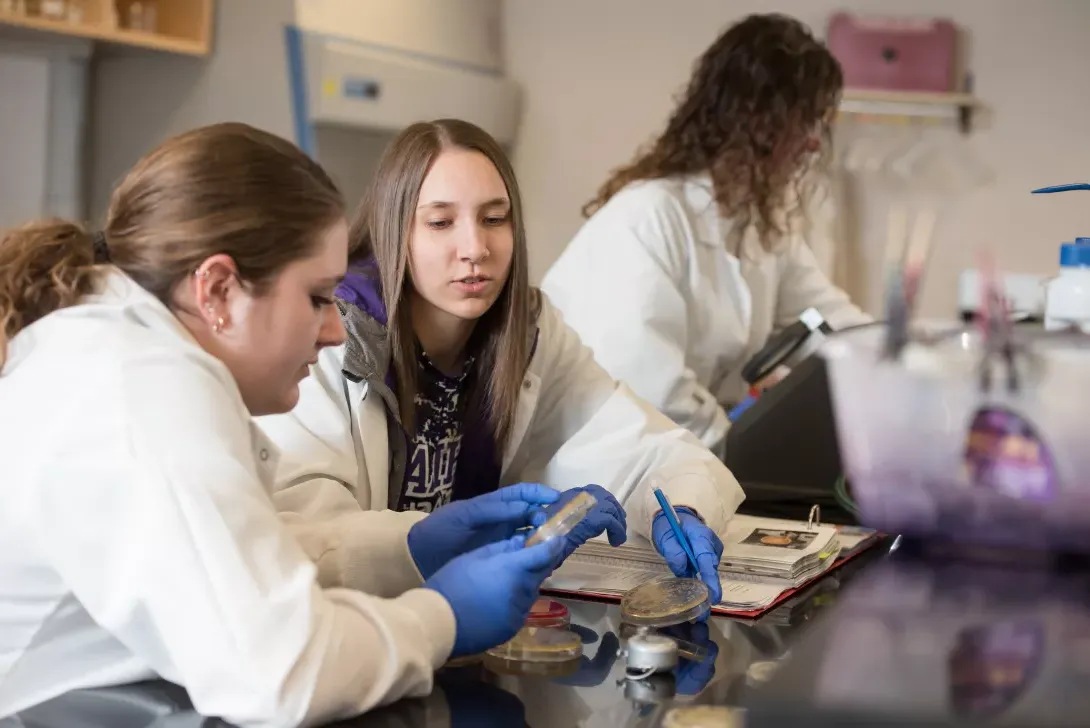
(1067, 301)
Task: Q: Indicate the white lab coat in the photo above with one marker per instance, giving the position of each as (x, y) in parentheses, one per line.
(574, 425)
(138, 537)
(648, 283)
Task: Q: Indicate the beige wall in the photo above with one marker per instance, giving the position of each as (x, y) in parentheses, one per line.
(598, 77)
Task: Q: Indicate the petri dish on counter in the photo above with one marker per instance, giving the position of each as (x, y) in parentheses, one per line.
(540, 644)
(665, 601)
(548, 613)
(564, 520)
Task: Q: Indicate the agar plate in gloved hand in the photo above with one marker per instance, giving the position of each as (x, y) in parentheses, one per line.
(665, 601)
(565, 519)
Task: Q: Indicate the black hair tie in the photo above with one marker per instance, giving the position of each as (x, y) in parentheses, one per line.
(101, 249)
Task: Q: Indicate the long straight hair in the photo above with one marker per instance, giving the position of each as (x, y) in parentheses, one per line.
(383, 227)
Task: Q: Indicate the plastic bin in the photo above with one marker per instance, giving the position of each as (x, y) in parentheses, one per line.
(923, 460)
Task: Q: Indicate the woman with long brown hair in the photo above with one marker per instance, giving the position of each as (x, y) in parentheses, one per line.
(459, 377)
(690, 257)
(138, 538)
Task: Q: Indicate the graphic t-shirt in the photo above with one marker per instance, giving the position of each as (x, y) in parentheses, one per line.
(434, 448)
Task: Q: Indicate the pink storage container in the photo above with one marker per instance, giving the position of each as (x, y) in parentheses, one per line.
(895, 54)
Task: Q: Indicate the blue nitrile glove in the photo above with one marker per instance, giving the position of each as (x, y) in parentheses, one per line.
(693, 677)
(593, 671)
(492, 589)
(607, 515)
(462, 526)
(707, 548)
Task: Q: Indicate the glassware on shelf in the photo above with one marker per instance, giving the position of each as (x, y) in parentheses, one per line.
(141, 15)
(53, 9)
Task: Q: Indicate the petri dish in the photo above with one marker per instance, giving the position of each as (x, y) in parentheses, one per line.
(501, 666)
(703, 716)
(548, 613)
(540, 644)
(565, 519)
(665, 601)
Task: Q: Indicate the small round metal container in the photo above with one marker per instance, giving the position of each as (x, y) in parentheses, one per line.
(647, 652)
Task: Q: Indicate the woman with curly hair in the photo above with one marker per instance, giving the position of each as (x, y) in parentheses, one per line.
(690, 258)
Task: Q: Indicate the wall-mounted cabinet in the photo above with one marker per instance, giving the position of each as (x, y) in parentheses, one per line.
(172, 26)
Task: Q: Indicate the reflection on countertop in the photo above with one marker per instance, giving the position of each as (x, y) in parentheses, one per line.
(592, 693)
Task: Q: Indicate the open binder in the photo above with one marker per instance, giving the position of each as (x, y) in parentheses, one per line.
(765, 560)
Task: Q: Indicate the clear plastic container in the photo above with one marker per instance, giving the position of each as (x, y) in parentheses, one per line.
(928, 454)
(564, 520)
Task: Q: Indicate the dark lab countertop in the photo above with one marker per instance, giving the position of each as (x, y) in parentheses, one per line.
(594, 695)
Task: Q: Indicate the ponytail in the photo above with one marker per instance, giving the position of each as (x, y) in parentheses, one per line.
(44, 266)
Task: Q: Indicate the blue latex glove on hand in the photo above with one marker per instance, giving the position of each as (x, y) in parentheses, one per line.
(707, 548)
(607, 515)
(463, 526)
(492, 589)
(593, 671)
(693, 677)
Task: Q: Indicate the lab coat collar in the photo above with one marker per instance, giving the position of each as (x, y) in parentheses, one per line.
(118, 290)
(709, 227)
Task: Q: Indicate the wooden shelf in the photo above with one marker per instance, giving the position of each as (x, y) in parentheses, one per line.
(957, 107)
(185, 27)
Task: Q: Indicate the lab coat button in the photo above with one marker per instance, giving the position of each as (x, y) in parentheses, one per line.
(525, 383)
(264, 454)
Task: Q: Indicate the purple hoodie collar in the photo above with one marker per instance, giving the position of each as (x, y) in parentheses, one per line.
(362, 287)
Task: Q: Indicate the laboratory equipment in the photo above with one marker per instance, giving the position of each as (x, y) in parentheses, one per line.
(969, 436)
(546, 651)
(665, 601)
(784, 450)
(564, 520)
(1025, 294)
(348, 90)
(646, 653)
(350, 98)
(1067, 301)
(548, 613)
(654, 689)
(540, 644)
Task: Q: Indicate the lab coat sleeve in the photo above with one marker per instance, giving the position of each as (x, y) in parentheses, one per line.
(588, 428)
(619, 287)
(803, 285)
(318, 491)
(167, 537)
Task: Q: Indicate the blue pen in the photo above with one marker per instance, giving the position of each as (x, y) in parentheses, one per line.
(671, 517)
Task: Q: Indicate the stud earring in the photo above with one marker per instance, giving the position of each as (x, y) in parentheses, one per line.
(218, 326)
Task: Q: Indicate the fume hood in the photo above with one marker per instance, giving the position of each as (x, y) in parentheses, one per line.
(349, 99)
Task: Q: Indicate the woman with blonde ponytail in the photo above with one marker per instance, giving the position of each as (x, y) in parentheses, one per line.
(138, 538)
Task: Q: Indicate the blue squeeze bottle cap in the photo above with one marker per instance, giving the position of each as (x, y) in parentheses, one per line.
(1077, 253)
